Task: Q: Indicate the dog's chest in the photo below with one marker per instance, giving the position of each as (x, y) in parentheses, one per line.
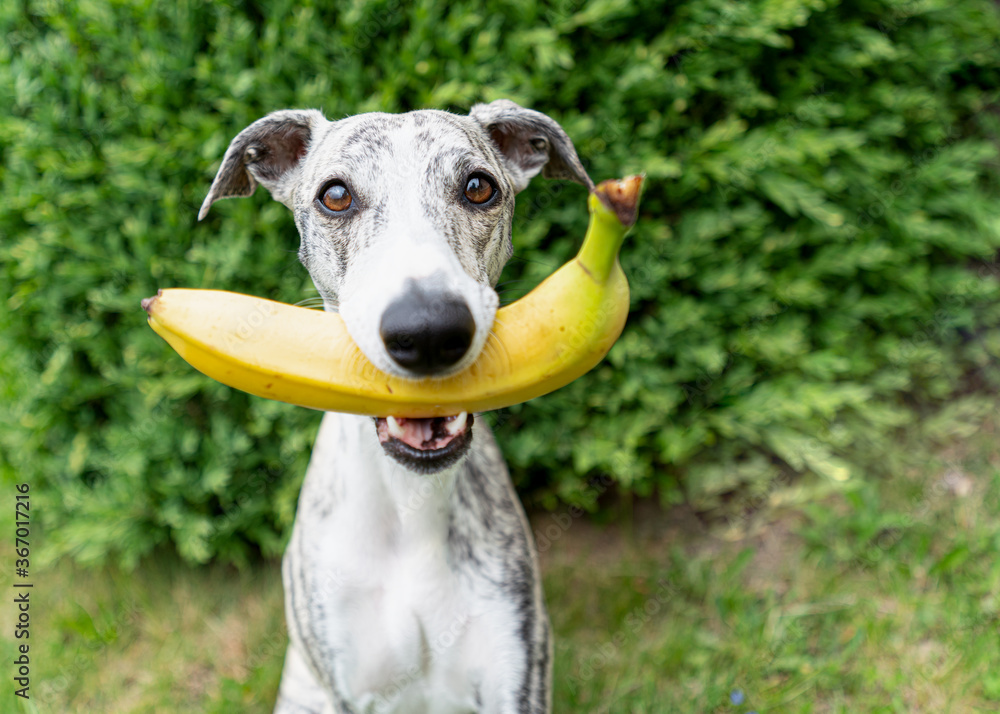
(384, 617)
(396, 630)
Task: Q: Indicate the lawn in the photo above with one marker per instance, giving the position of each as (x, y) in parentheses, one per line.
(882, 597)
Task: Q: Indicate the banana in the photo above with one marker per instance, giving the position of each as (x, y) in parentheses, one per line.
(543, 341)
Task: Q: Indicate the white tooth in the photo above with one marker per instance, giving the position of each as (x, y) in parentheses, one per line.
(394, 428)
(456, 424)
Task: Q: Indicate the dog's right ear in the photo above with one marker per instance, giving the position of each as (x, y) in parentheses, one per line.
(268, 152)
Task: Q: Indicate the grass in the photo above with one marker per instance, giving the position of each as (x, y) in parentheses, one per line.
(881, 599)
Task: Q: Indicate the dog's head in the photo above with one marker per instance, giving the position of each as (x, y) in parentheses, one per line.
(405, 225)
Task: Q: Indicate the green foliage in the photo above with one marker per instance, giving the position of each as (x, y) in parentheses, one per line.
(814, 252)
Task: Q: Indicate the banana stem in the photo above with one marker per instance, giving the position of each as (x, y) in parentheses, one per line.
(613, 207)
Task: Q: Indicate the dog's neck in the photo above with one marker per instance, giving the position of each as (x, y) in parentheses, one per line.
(352, 468)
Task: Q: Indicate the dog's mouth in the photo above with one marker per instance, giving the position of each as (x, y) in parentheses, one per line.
(426, 445)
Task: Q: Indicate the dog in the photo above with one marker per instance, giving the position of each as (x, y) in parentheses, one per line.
(411, 579)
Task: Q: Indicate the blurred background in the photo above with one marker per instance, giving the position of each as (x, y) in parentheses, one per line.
(788, 460)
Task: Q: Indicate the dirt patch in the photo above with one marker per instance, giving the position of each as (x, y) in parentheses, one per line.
(568, 540)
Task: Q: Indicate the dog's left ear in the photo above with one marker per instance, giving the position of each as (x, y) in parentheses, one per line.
(530, 142)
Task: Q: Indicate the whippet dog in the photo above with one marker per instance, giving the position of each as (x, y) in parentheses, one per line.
(411, 579)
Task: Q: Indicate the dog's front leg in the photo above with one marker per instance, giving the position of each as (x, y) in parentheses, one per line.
(299, 692)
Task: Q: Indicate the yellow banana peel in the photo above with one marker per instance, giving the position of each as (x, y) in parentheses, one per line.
(543, 341)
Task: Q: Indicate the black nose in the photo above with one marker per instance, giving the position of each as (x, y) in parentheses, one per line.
(427, 332)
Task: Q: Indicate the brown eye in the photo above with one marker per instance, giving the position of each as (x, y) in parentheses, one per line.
(336, 197)
(479, 189)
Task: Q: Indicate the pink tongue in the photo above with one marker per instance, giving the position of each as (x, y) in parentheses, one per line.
(423, 434)
(416, 432)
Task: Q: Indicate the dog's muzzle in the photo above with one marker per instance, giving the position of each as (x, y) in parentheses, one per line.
(426, 445)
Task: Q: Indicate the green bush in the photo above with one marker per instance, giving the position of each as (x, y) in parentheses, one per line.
(812, 269)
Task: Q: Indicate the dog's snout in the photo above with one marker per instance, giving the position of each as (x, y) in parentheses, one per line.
(426, 333)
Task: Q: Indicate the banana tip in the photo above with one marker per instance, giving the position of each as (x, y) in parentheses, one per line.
(147, 303)
(622, 196)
